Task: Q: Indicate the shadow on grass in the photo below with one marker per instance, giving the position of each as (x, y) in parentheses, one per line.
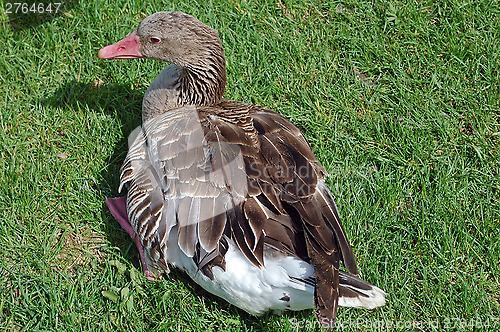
(29, 13)
(117, 101)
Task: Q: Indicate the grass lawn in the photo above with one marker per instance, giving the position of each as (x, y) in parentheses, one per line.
(400, 101)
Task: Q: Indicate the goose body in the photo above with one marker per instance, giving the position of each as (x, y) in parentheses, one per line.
(228, 192)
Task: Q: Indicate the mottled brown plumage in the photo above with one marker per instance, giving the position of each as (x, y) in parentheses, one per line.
(221, 173)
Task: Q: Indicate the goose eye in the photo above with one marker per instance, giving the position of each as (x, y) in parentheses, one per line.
(154, 40)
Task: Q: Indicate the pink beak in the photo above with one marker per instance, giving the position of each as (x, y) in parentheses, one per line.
(127, 48)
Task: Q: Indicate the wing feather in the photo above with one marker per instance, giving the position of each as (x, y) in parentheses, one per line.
(212, 223)
(240, 172)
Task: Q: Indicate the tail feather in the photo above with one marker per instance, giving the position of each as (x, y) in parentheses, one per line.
(355, 292)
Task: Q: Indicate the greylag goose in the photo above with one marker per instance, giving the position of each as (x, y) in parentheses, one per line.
(228, 192)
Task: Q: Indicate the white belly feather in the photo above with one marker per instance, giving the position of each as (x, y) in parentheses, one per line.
(256, 290)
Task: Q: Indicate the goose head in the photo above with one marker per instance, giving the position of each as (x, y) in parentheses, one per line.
(192, 46)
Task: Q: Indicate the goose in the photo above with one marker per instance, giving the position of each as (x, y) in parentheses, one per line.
(230, 193)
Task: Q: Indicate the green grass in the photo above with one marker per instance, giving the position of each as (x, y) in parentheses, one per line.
(399, 99)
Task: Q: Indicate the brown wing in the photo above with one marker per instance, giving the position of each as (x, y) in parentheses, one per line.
(289, 207)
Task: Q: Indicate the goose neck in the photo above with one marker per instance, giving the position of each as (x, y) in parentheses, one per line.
(203, 84)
